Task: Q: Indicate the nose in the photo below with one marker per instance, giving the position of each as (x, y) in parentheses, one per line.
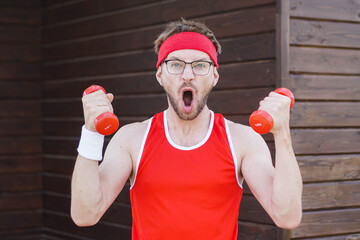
(188, 73)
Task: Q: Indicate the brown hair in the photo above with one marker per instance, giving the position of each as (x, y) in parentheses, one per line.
(183, 25)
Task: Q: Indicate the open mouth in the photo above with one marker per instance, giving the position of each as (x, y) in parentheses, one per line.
(187, 98)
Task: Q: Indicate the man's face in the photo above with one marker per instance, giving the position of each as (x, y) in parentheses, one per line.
(187, 92)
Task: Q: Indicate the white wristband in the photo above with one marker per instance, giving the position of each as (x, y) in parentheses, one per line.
(91, 144)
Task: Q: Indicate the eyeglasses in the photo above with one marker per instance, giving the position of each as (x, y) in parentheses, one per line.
(176, 67)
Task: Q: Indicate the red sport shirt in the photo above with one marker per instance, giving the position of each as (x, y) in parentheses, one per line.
(186, 193)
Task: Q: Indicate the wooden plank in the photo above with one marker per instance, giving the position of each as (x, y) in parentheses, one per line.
(20, 109)
(312, 87)
(260, 19)
(20, 34)
(331, 195)
(248, 230)
(34, 4)
(22, 234)
(85, 8)
(20, 52)
(130, 63)
(321, 60)
(20, 89)
(20, 71)
(19, 127)
(142, 105)
(331, 222)
(326, 9)
(13, 16)
(329, 34)
(20, 145)
(233, 49)
(355, 236)
(17, 164)
(20, 182)
(63, 223)
(325, 114)
(329, 168)
(23, 219)
(252, 211)
(56, 183)
(20, 201)
(329, 141)
(58, 165)
(255, 74)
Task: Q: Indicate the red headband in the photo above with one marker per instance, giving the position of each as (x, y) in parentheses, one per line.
(187, 40)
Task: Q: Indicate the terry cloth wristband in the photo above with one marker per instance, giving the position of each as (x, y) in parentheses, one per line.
(187, 40)
(91, 144)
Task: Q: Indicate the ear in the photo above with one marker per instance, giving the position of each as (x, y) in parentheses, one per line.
(216, 77)
(158, 75)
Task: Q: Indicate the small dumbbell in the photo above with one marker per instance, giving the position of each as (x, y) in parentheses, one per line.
(261, 121)
(106, 123)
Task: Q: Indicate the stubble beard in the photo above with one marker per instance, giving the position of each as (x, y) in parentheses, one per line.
(199, 105)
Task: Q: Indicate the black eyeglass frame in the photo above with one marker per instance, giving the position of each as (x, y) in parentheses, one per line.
(168, 60)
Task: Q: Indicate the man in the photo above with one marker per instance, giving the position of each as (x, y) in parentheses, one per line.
(186, 165)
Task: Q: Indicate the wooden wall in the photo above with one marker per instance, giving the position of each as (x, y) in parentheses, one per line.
(324, 72)
(110, 43)
(20, 119)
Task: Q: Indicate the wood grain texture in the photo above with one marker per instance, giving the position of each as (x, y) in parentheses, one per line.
(326, 9)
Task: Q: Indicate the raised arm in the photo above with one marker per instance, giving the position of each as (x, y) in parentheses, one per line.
(94, 187)
(279, 188)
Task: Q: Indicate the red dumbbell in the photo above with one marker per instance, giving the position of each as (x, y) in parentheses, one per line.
(106, 123)
(261, 121)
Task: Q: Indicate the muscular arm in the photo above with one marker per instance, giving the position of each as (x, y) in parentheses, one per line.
(279, 188)
(94, 187)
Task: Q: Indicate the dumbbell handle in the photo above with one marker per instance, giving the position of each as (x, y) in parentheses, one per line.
(261, 121)
(106, 123)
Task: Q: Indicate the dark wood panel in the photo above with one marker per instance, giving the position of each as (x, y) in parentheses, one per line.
(249, 231)
(355, 236)
(329, 141)
(87, 8)
(63, 223)
(242, 75)
(20, 89)
(23, 234)
(314, 87)
(326, 9)
(20, 52)
(321, 60)
(23, 219)
(59, 165)
(332, 34)
(56, 183)
(20, 201)
(20, 145)
(133, 62)
(331, 195)
(328, 223)
(219, 101)
(20, 71)
(18, 16)
(155, 14)
(329, 168)
(20, 109)
(325, 114)
(19, 34)
(252, 211)
(20, 182)
(16, 164)
(20, 127)
(34, 4)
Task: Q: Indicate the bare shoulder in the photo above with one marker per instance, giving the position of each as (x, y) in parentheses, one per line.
(131, 134)
(243, 135)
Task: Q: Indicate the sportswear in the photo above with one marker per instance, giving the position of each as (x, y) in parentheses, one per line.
(185, 193)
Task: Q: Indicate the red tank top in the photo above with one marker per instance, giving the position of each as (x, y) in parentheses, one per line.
(186, 193)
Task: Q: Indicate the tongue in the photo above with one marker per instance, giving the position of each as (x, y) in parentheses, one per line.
(187, 98)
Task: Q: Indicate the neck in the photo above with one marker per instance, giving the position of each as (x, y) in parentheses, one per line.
(188, 132)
